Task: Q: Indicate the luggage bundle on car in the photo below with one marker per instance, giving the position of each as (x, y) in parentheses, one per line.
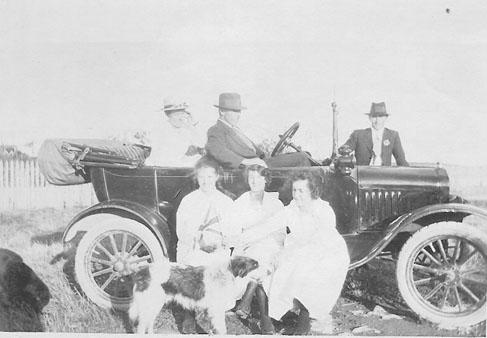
(65, 161)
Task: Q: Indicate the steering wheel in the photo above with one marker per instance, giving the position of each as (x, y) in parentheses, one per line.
(284, 140)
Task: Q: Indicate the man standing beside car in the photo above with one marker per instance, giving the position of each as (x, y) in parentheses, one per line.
(228, 144)
(376, 145)
(176, 142)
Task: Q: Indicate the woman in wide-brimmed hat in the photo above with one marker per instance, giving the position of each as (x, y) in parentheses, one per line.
(176, 141)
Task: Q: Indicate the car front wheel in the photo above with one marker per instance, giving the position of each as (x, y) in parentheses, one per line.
(108, 255)
(442, 273)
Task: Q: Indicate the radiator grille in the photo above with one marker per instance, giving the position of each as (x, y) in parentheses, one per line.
(378, 204)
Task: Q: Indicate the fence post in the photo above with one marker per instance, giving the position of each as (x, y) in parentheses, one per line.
(1, 174)
(23, 186)
(8, 173)
(16, 173)
(3, 196)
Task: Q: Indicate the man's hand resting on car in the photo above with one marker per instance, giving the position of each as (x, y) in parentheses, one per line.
(255, 160)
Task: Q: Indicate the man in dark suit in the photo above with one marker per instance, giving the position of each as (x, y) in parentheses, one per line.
(232, 148)
(376, 145)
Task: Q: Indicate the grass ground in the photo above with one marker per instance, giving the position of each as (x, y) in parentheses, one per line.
(36, 234)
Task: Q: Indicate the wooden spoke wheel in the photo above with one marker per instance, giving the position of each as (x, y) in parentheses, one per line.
(442, 273)
(108, 256)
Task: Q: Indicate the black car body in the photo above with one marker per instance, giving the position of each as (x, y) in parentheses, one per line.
(405, 212)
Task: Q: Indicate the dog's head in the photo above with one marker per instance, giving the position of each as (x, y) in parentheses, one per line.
(20, 283)
(240, 266)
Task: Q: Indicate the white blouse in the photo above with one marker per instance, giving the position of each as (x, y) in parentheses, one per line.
(196, 208)
(249, 213)
(169, 145)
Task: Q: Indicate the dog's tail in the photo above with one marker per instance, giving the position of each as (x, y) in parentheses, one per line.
(148, 277)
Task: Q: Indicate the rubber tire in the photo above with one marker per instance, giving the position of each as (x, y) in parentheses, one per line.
(81, 268)
(419, 238)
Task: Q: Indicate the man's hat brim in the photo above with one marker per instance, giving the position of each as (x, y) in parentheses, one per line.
(228, 108)
(170, 111)
(376, 114)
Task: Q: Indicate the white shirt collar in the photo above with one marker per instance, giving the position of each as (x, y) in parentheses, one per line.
(380, 131)
(377, 136)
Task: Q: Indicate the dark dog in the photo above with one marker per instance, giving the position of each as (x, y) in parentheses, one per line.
(21, 290)
(210, 288)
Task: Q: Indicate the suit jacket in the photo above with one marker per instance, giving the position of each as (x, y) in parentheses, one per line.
(225, 146)
(361, 142)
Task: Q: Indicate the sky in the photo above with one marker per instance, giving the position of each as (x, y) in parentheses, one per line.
(98, 68)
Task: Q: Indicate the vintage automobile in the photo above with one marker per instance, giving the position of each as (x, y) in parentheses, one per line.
(438, 240)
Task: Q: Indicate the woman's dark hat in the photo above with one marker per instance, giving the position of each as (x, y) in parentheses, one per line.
(230, 101)
(378, 109)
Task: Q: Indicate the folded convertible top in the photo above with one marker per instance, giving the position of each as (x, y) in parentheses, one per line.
(64, 161)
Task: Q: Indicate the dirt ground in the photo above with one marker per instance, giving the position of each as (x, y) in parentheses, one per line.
(370, 298)
(370, 305)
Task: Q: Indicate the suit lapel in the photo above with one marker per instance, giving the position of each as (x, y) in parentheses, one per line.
(368, 138)
(233, 135)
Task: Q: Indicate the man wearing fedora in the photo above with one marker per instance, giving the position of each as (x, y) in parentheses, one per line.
(375, 146)
(175, 141)
(232, 148)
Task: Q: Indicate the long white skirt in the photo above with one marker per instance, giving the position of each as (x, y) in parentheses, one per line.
(311, 274)
(266, 253)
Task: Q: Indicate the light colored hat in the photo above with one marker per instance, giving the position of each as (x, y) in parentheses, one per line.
(171, 106)
(378, 109)
(230, 101)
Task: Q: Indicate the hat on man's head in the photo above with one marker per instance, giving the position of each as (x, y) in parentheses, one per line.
(378, 109)
(230, 101)
(172, 106)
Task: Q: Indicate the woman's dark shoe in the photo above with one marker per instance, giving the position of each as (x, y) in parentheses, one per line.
(266, 326)
(303, 325)
(243, 308)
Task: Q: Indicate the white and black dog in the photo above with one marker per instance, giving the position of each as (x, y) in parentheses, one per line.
(212, 288)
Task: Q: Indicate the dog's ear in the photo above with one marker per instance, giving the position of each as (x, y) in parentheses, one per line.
(22, 283)
(37, 289)
(241, 266)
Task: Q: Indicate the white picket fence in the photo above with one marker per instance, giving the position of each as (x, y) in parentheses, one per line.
(22, 186)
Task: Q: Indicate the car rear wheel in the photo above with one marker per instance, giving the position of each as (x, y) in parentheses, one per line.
(442, 273)
(108, 255)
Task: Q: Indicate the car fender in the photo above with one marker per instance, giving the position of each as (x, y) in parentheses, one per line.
(88, 218)
(405, 221)
(460, 209)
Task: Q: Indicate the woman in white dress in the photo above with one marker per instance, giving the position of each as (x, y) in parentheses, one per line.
(201, 219)
(176, 141)
(314, 261)
(251, 210)
(201, 226)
